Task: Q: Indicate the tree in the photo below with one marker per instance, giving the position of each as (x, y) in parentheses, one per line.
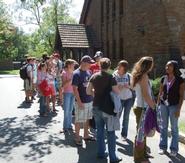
(46, 14)
(13, 43)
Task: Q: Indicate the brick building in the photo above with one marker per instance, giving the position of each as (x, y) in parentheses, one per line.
(129, 29)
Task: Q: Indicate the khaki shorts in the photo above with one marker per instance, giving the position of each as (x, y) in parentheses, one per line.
(82, 115)
(28, 86)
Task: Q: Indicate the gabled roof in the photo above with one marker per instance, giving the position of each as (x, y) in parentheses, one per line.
(76, 36)
(84, 11)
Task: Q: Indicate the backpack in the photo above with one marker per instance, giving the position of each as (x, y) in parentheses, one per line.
(23, 72)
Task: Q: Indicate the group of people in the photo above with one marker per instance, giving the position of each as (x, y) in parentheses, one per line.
(94, 92)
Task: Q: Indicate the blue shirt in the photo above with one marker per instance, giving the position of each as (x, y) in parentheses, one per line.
(80, 80)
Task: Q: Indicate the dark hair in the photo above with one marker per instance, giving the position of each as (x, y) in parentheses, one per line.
(175, 67)
(105, 63)
(140, 68)
(29, 59)
(76, 65)
(123, 63)
(45, 57)
(69, 62)
(41, 65)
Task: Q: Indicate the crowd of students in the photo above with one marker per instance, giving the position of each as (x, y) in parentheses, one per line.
(97, 94)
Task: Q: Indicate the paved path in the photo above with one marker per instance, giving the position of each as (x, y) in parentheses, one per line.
(25, 137)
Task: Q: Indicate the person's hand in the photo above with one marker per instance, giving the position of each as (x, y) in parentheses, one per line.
(80, 105)
(177, 113)
(120, 86)
(126, 86)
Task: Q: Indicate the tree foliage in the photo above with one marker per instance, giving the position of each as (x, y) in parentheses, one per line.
(46, 14)
(12, 41)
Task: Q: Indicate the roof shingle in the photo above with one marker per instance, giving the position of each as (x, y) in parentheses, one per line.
(77, 36)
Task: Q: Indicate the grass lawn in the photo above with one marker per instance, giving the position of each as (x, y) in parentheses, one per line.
(9, 72)
(182, 127)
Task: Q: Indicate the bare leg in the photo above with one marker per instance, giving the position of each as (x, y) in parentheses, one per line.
(77, 131)
(60, 96)
(54, 101)
(86, 129)
(47, 102)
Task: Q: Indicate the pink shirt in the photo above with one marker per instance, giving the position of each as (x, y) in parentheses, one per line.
(68, 88)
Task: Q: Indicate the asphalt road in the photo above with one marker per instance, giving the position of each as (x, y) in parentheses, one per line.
(25, 137)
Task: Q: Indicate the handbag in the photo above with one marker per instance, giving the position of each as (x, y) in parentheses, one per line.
(150, 123)
(44, 88)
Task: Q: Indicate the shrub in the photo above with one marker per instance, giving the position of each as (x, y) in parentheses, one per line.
(156, 86)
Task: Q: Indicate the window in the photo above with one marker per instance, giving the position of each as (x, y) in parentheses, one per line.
(121, 7)
(102, 11)
(114, 49)
(114, 9)
(121, 49)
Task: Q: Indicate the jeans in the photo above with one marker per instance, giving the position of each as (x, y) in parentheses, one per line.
(68, 108)
(43, 106)
(111, 137)
(168, 112)
(126, 105)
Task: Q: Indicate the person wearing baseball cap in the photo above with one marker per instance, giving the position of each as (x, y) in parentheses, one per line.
(96, 66)
(87, 59)
(83, 109)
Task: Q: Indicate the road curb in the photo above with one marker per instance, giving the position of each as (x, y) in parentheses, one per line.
(181, 136)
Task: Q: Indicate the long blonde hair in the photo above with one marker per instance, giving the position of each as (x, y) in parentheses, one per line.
(143, 66)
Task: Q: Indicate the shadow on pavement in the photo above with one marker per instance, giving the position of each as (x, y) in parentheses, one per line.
(28, 131)
(24, 105)
(178, 159)
(126, 148)
(87, 154)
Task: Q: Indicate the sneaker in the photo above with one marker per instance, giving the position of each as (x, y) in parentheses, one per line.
(173, 154)
(117, 160)
(124, 138)
(162, 151)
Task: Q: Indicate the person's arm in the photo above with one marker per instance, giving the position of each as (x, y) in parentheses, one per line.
(90, 89)
(75, 83)
(77, 96)
(181, 92)
(115, 87)
(144, 89)
(160, 93)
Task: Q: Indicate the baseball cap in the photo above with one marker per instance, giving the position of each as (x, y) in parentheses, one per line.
(87, 59)
(98, 54)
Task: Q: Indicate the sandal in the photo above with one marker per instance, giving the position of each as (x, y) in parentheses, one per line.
(78, 142)
(90, 139)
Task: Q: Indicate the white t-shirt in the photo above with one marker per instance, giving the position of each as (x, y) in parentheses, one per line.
(123, 80)
(139, 101)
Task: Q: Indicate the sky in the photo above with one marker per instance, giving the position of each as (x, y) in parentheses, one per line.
(74, 11)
